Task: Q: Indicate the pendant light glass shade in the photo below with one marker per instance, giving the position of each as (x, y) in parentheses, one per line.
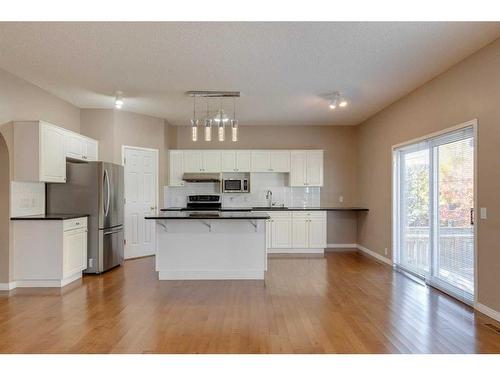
(208, 130)
(220, 117)
(222, 132)
(194, 129)
(234, 130)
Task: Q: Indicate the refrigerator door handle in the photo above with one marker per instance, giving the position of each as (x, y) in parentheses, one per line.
(106, 179)
(113, 232)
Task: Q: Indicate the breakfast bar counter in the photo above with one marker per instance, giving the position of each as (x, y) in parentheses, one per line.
(210, 245)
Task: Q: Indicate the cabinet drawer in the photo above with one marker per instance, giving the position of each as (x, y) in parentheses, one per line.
(310, 214)
(274, 214)
(78, 223)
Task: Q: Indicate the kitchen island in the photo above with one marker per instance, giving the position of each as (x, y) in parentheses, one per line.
(210, 245)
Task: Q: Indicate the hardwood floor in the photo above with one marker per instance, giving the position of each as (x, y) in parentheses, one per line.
(341, 303)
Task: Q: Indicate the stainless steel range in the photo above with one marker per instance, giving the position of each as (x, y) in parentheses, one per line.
(203, 203)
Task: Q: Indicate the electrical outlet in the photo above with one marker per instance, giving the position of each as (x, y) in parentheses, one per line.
(341, 198)
(385, 251)
(91, 262)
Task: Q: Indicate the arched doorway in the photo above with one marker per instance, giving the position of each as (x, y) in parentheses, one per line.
(4, 210)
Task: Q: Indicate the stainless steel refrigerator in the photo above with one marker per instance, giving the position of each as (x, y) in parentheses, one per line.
(95, 189)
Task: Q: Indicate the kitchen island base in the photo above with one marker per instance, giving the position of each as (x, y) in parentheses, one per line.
(211, 249)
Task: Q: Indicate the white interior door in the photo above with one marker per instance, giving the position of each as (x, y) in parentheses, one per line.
(141, 186)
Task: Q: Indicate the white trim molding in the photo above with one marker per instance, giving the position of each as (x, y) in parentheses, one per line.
(331, 246)
(8, 286)
(295, 251)
(487, 311)
(375, 255)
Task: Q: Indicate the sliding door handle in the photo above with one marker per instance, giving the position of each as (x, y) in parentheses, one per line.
(472, 216)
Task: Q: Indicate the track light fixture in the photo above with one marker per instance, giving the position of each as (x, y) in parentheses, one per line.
(118, 100)
(337, 100)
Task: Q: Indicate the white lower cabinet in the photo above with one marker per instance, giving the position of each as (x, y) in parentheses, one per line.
(296, 232)
(49, 253)
(281, 229)
(300, 237)
(74, 251)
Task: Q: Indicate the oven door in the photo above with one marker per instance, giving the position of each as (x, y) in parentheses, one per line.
(233, 186)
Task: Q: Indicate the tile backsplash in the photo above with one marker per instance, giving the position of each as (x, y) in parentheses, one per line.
(27, 198)
(260, 183)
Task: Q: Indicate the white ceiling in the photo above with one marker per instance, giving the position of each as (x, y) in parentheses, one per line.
(282, 69)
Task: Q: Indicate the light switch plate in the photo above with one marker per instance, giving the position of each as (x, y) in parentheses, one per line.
(482, 213)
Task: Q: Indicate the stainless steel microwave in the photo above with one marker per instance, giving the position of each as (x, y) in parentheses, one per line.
(236, 185)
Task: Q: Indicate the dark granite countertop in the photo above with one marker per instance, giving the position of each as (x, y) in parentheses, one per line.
(309, 209)
(49, 217)
(216, 215)
(226, 209)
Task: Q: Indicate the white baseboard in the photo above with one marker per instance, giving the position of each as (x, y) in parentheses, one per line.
(374, 254)
(334, 246)
(211, 275)
(487, 311)
(295, 251)
(47, 283)
(8, 286)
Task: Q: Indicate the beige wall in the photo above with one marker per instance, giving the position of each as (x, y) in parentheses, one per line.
(339, 145)
(470, 89)
(114, 129)
(20, 100)
(99, 124)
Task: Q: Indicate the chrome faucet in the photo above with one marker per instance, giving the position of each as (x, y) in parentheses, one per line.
(269, 197)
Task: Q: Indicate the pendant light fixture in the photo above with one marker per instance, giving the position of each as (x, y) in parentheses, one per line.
(219, 118)
(234, 124)
(194, 122)
(208, 126)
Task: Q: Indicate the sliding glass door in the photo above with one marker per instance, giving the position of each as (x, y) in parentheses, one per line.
(434, 211)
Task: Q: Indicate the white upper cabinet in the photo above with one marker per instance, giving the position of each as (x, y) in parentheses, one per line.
(40, 151)
(211, 161)
(192, 161)
(228, 160)
(271, 161)
(314, 169)
(176, 168)
(261, 161)
(280, 161)
(306, 168)
(52, 157)
(74, 145)
(298, 169)
(79, 147)
(91, 149)
(243, 161)
(235, 161)
(202, 161)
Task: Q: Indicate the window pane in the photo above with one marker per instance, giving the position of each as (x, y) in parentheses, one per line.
(455, 235)
(415, 217)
